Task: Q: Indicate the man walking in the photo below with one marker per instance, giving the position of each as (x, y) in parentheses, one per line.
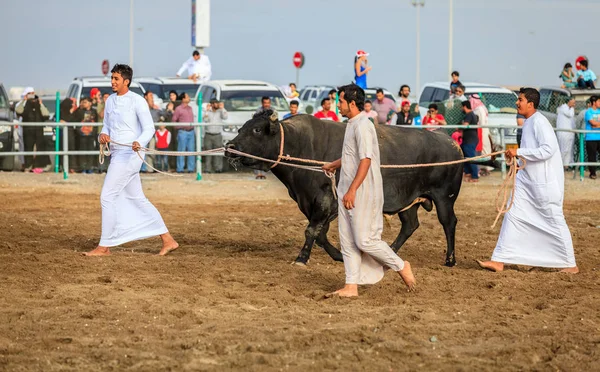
(186, 140)
(215, 114)
(127, 215)
(534, 231)
(360, 197)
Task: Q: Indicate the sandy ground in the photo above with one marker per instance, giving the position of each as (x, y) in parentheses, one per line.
(230, 300)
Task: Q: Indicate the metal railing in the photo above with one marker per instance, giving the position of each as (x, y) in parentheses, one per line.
(581, 164)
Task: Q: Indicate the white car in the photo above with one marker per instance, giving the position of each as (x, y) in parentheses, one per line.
(500, 103)
(309, 97)
(82, 87)
(162, 86)
(241, 99)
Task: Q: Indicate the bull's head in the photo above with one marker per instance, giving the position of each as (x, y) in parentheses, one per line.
(259, 137)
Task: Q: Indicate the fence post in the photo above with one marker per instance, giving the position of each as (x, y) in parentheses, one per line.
(57, 135)
(581, 156)
(66, 149)
(503, 144)
(337, 111)
(198, 131)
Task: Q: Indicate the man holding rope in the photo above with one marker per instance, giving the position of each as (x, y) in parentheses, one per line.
(360, 198)
(534, 231)
(127, 215)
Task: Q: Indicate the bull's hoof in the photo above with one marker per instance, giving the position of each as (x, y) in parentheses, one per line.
(450, 263)
(300, 263)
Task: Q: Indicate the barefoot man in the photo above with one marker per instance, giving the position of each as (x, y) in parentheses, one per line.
(126, 213)
(534, 232)
(360, 196)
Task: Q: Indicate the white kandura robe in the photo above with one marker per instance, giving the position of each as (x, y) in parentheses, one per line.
(360, 228)
(566, 140)
(534, 232)
(127, 215)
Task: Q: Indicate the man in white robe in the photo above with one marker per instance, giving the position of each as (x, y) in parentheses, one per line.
(534, 232)
(127, 215)
(198, 68)
(566, 140)
(360, 196)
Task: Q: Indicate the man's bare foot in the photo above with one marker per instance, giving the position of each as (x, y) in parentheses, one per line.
(491, 265)
(570, 270)
(98, 251)
(349, 290)
(169, 244)
(408, 277)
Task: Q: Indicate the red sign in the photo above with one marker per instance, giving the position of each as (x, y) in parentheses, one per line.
(298, 59)
(105, 67)
(578, 61)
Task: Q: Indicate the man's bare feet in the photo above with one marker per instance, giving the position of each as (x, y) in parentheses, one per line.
(349, 290)
(169, 244)
(98, 251)
(491, 265)
(570, 270)
(408, 277)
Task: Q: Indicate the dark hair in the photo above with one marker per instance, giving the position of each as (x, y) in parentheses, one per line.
(265, 98)
(146, 93)
(379, 90)
(294, 84)
(181, 96)
(105, 93)
(584, 63)
(332, 91)
(567, 65)
(88, 99)
(324, 100)
(433, 106)
(402, 87)
(125, 71)
(353, 92)
(455, 73)
(196, 53)
(369, 102)
(466, 104)
(531, 95)
(593, 99)
(174, 92)
(461, 87)
(295, 102)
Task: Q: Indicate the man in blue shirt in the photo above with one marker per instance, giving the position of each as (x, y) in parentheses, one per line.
(293, 109)
(585, 76)
(592, 140)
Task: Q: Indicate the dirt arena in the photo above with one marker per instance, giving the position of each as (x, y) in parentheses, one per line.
(230, 300)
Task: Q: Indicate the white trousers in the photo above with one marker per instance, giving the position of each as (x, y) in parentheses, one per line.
(127, 214)
(364, 252)
(566, 141)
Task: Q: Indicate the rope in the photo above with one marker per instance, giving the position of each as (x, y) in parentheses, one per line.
(510, 180)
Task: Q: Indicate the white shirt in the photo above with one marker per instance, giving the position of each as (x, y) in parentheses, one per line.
(566, 117)
(201, 67)
(127, 119)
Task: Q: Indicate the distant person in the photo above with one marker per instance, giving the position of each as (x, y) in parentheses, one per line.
(370, 113)
(86, 133)
(585, 77)
(566, 120)
(293, 109)
(383, 105)
(198, 68)
(326, 113)
(404, 96)
(265, 105)
(592, 140)
(100, 107)
(186, 139)
(534, 231)
(485, 145)
(455, 83)
(568, 77)
(163, 140)
(470, 139)
(32, 110)
(96, 97)
(433, 117)
(459, 94)
(293, 92)
(156, 114)
(361, 69)
(213, 139)
(404, 116)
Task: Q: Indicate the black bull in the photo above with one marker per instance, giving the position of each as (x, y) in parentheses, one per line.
(310, 138)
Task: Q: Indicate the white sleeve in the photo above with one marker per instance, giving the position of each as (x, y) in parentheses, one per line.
(145, 119)
(548, 144)
(106, 122)
(168, 138)
(365, 135)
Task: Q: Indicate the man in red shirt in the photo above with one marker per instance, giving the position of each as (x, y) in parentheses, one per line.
(326, 113)
(433, 117)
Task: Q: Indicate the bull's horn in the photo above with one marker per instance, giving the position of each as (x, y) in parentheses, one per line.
(273, 117)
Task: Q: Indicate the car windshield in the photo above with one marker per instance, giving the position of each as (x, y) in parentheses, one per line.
(372, 96)
(504, 103)
(50, 104)
(190, 89)
(250, 100)
(156, 89)
(87, 90)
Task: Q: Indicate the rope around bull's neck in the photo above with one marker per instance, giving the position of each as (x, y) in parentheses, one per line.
(502, 205)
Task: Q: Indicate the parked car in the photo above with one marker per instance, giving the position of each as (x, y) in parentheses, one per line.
(82, 86)
(309, 96)
(6, 130)
(552, 97)
(371, 94)
(161, 86)
(241, 99)
(500, 103)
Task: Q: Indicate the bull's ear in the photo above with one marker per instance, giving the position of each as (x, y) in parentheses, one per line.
(273, 123)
